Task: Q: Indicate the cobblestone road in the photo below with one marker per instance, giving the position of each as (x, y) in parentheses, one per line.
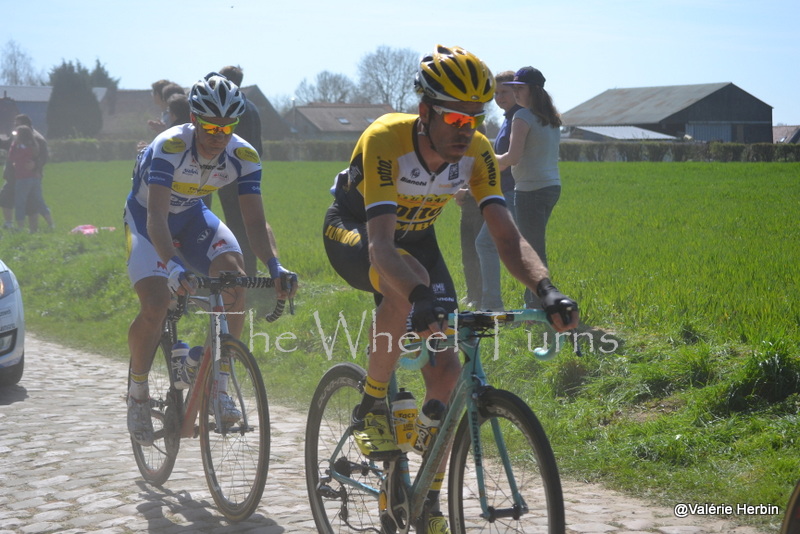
(66, 466)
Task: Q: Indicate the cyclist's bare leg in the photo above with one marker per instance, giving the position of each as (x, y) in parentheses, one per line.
(439, 383)
(390, 318)
(145, 329)
(390, 326)
(234, 297)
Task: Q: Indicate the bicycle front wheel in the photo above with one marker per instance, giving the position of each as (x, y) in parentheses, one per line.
(236, 455)
(791, 519)
(343, 484)
(156, 461)
(508, 430)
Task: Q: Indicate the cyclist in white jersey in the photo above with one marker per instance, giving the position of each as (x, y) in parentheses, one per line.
(170, 230)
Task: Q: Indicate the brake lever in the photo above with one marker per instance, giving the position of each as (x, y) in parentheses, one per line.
(288, 280)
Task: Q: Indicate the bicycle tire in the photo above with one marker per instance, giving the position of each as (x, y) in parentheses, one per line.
(236, 458)
(534, 468)
(156, 461)
(339, 507)
(791, 519)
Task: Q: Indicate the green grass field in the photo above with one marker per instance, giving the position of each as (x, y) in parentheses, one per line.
(688, 386)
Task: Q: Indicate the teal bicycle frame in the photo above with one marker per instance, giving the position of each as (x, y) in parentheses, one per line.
(471, 383)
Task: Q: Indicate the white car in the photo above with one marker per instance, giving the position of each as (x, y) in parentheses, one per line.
(12, 328)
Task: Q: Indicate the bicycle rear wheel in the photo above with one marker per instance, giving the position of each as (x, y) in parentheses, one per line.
(534, 472)
(791, 519)
(166, 406)
(236, 457)
(342, 486)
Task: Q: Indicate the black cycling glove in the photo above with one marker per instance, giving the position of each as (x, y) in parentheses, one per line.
(555, 302)
(426, 308)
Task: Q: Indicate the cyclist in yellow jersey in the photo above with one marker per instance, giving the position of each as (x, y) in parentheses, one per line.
(379, 233)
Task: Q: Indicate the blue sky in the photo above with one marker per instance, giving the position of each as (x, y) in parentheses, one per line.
(583, 47)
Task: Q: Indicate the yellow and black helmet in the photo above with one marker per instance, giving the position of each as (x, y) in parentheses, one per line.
(454, 75)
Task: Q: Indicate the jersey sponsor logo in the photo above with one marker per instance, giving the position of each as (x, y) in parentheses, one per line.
(173, 145)
(189, 171)
(203, 235)
(188, 189)
(418, 212)
(404, 227)
(415, 173)
(385, 172)
(247, 154)
(490, 161)
(220, 243)
(412, 182)
(410, 213)
(161, 266)
(343, 235)
(453, 175)
(452, 185)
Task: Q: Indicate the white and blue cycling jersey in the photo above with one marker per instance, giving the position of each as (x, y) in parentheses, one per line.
(172, 160)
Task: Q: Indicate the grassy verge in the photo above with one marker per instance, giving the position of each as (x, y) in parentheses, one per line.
(687, 388)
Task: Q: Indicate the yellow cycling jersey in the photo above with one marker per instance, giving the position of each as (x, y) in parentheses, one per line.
(387, 175)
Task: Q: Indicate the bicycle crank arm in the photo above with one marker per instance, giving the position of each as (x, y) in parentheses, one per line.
(393, 501)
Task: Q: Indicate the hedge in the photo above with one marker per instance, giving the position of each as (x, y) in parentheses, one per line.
(659, 151)
(298, 150)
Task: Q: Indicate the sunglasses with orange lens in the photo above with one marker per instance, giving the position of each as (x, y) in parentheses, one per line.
(459, 119)
(214, 129)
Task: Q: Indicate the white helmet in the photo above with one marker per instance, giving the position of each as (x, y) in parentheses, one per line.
(216, 96)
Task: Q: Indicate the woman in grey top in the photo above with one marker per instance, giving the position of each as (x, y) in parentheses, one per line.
(533, 158)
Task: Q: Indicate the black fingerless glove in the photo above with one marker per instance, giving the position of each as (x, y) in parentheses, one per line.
(555, 302)
(426, 308)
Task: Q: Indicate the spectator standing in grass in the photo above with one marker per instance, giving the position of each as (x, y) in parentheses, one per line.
(249, 129)
(469, 226)
(491, 297)
(35, 205)
(533, 157)
(22, 157)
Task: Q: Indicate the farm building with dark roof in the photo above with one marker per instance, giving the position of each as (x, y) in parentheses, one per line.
(703, 112)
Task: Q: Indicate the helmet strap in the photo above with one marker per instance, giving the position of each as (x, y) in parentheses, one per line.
(425, 127)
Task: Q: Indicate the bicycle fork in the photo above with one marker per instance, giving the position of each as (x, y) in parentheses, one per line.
(490, 513)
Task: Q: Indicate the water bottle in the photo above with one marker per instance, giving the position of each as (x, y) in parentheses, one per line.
(404, 413)
(427, 424)
(192, 359)
(179, 352)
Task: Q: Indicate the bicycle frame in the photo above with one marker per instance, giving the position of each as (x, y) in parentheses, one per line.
(218, 330)
(471, 383)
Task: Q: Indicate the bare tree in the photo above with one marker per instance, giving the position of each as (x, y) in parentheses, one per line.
(329, 87)
(17, 67)
(387, 76)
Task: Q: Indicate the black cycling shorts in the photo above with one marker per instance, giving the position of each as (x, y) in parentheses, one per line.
(346, 244)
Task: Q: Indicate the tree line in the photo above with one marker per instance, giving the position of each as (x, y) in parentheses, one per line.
(74, 111)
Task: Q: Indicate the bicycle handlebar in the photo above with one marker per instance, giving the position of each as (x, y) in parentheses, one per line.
(476, 321)
(230, 279)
